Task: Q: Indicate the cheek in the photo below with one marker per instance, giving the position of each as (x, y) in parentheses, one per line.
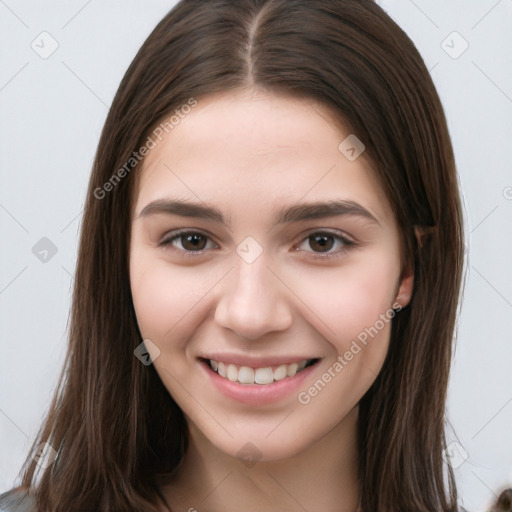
(356, 305)
(352, 298)
(168, 299)
(161, 295)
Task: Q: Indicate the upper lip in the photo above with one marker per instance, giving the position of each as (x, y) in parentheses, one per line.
(256, 362)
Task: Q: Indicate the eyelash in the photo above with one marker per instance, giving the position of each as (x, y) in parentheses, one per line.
(346, 243)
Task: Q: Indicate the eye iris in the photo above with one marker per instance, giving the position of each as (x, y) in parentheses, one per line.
(322, 242)
(196, 240)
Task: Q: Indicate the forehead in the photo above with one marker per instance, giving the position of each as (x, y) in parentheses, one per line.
(250, 149)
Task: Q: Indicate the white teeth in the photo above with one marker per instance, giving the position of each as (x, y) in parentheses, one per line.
(232, 372)
(247, 375)
(292, 369)
(280, 372)
(263, 376)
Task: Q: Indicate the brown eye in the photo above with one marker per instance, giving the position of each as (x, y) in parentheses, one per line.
(188, 242)
(193, 242)
(324, 244)
(321, 242)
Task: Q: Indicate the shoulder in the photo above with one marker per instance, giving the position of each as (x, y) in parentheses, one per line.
(17, 500)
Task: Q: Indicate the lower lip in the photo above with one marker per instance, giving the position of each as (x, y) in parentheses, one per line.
(259, 394)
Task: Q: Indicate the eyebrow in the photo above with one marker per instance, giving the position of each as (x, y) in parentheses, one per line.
(286, 215)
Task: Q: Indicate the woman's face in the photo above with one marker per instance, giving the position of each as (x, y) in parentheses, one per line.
(259, 246)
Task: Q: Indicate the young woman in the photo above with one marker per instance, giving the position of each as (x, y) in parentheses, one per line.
(268, 275)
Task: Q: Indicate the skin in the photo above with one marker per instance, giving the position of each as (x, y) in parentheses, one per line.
(250, 153)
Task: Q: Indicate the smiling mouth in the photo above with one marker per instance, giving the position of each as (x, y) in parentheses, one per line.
(262, 376)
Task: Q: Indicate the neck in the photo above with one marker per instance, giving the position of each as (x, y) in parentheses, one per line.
(323, 477)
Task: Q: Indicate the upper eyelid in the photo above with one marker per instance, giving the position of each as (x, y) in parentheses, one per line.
(171, 235)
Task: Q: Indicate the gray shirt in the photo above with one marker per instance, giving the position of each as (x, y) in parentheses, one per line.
(17, 500)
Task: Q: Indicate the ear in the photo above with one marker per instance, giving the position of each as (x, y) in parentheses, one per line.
(405, 289)
(423, 234)
(406, 286)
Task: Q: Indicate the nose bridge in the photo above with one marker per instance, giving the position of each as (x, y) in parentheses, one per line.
(252, 301)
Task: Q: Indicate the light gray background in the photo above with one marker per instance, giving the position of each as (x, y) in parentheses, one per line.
(52, 111)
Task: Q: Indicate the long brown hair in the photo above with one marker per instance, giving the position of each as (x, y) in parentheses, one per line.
(112, 422)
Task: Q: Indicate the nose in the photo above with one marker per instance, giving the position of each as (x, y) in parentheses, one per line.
(253, 301)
